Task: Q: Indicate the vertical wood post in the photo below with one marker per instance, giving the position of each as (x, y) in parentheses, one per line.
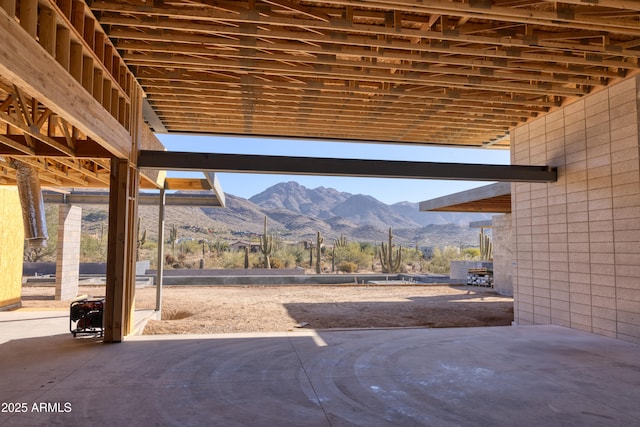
(9, 6)
(117, 252)
(48, 30)
(123, 214)
(75, 64)
(63, 47)
(29, 16)
(131, 243)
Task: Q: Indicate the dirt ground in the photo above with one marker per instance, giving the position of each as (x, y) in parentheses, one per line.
(221, 309)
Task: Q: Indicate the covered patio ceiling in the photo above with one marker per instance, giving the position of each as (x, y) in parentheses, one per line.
(493, 198)
(442, 72)
(438, 72)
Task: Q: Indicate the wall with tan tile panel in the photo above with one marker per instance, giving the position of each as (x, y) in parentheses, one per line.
(576, 242)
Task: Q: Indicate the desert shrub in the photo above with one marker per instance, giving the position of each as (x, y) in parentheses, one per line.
(276, 262)
(234, 259)
(471, 253)
(92, 249)
(348, 267)
(440, 262)
(299, 255)
(285, 257)
(190, 247)
(354, 254)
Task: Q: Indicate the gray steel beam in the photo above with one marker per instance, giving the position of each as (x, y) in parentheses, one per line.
(160, 264)
(102, 198)
(173, 160)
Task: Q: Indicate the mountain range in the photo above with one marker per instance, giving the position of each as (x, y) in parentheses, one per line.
(296, 213)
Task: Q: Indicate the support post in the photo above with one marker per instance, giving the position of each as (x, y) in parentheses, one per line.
(121, 273)
(160, 269)
(114, 316)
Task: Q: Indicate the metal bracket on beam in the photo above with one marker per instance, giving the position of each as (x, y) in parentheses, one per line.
(241, 163)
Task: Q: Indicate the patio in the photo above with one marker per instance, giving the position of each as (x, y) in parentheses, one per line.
(525, 375)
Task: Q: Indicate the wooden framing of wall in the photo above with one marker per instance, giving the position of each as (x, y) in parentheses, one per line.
(75, 130)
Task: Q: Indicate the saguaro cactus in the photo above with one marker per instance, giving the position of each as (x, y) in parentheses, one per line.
(341, 242)
(246, 257)
(266, 245)
(173, 236)
(141, 240)
(319, 241)
(390, 263)
(337, 243)
(486, 246)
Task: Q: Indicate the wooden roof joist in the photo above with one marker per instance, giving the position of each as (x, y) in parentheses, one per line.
(244, 63)
(171, 160)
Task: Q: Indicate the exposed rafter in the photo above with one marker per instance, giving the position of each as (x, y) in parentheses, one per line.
(437, 72)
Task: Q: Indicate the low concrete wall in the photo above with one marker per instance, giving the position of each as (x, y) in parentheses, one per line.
(49, 268)
(230, 272)
(295, 279)
(298, 279)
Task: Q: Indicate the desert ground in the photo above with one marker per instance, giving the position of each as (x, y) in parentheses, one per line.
(222, 309)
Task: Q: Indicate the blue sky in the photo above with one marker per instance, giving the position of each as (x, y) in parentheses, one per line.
(386, 190)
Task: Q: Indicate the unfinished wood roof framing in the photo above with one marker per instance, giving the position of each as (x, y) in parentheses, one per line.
(440, 72)
(459, 73)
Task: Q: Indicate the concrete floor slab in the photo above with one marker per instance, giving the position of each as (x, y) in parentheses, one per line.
(501, 376)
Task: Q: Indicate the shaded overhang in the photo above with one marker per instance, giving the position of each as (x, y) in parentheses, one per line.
(493, 198)
(241, 163)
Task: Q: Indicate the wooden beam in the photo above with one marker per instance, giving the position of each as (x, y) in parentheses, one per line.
(360, 33)
(191, 184)
(440, 56)
(151, 117)
(171, 160)
(25, 63)
(306, 11)
(117, 253)
(278, 69)
(183, 82)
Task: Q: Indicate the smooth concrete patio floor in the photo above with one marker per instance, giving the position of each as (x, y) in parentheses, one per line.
(500, 376)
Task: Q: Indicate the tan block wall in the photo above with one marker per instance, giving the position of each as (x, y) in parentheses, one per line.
(576, 242)
(68, 255)
(502, 254)
(11, 247)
